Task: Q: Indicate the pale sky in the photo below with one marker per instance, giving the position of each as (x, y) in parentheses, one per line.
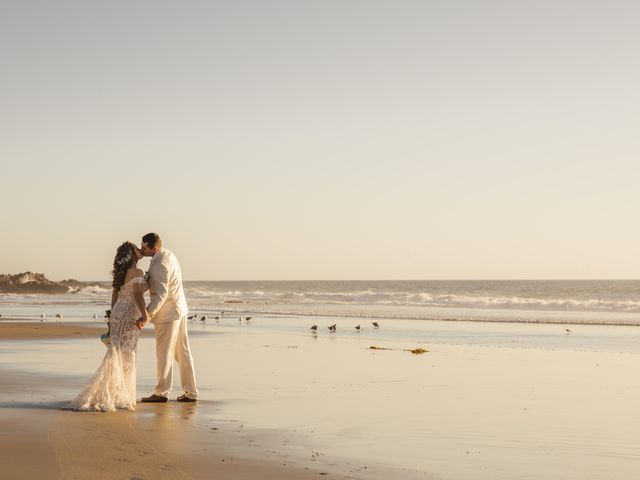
(323, 139)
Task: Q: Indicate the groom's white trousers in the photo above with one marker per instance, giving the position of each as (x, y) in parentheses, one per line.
(172, 342)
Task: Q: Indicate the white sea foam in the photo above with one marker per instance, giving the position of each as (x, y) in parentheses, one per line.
(94, 289)
(591, 304)
(408, 298)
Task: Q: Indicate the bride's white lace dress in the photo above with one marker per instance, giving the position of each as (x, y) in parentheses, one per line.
(113, 386)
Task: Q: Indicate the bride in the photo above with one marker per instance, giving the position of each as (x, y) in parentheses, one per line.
(113, 386)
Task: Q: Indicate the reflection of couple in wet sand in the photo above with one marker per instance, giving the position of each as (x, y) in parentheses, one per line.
(113, 386)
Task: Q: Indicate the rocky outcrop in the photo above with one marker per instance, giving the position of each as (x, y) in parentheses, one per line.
(29, 282)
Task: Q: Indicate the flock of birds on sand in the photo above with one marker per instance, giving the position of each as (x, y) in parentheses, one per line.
(204, 318)
(314, 328)
(333, 328)
(43, 316)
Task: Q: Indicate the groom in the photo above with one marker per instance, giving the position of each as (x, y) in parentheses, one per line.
(168, 312)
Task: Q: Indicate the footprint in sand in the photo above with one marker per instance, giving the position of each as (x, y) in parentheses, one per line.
(167, 467)
(136, 476)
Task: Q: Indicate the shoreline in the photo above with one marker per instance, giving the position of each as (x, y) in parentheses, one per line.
(378, 316)
(446, 319)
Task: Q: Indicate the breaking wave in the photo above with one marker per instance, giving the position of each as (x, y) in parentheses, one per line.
(426, 299)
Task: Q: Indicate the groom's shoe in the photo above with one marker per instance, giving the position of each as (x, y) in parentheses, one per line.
(154, 399)
(184, 398)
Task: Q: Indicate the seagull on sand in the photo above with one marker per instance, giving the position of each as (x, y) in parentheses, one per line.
(203, 318)
(247, 319)
(358, 327)
(332, 328)
(314, 328)
(95, 316)
(568, 330)
(59, 315)
(375, 324)
(42, 317)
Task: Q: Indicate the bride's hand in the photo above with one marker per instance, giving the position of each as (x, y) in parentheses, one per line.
(142, 321)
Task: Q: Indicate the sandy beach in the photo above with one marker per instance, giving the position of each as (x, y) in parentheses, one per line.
(26, 330)
(301, 406)
(39, 440)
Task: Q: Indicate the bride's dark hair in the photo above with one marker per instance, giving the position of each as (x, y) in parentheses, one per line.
(125, 259)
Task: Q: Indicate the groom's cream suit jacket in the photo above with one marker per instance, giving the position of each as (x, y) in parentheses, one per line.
(167, 303)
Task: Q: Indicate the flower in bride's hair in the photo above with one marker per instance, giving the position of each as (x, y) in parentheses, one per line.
(125, 260)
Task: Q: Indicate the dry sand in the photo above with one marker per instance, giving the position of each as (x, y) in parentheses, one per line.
(30, 330)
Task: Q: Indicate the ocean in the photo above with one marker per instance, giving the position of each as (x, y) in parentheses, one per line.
(606, 302)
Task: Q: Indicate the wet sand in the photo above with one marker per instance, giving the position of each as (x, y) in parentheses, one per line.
(277, 405)
(155, 442)
(38, 440)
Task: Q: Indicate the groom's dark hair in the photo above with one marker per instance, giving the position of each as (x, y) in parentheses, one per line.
(152, 240)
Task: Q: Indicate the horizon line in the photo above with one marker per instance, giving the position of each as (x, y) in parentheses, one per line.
(523, 279)
(407, 280)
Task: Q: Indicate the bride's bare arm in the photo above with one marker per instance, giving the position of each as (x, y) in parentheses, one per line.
(114, 297)
(138, 293)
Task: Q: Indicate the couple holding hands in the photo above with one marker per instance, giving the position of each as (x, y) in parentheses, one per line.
(113, 386)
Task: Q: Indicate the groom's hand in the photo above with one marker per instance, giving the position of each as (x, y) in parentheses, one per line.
(140, 323)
